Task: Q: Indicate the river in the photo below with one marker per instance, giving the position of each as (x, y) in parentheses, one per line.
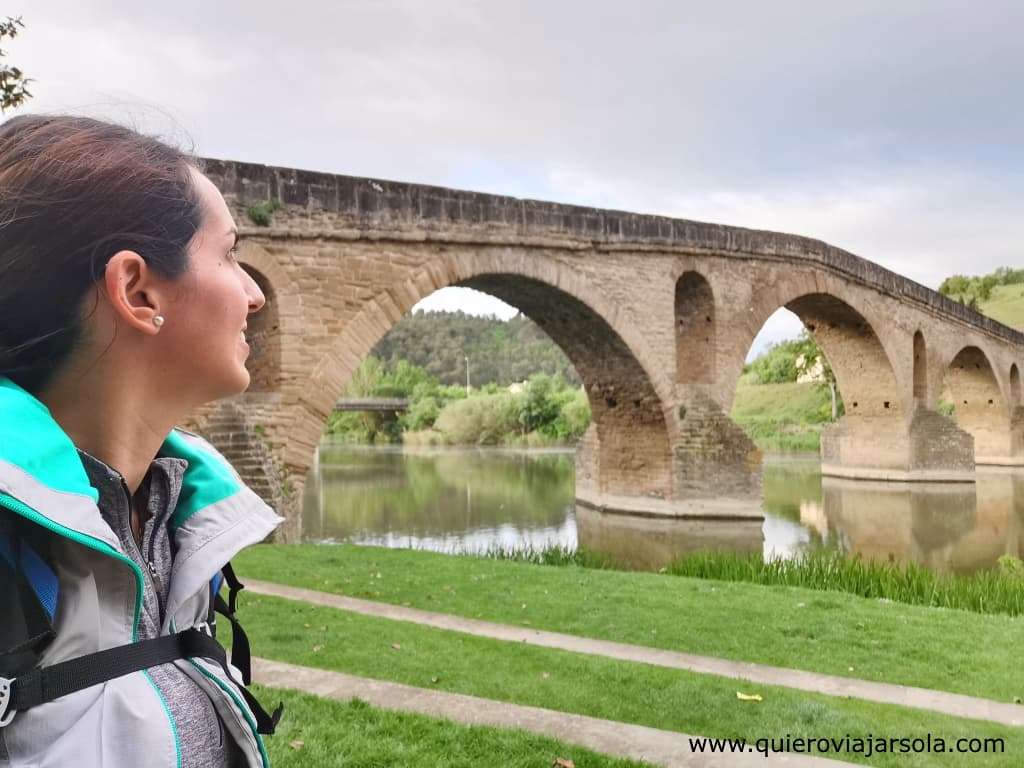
(475, 499)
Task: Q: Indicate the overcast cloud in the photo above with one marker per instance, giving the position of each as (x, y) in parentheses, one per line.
(892, 129)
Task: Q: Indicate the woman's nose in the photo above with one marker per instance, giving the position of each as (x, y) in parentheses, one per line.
(256, 297)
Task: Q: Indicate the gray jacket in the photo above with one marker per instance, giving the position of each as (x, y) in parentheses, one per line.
(125, 721)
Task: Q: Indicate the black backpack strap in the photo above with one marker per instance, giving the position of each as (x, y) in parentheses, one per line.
(48, 683)
(234, 585)
(241, 654)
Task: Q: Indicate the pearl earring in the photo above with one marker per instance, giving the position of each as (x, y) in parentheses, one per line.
(158, 320)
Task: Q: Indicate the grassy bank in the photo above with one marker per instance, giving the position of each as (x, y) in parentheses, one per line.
(782, 417)
(826, 632)
(589, 685)
(997, 591)
(322, 732)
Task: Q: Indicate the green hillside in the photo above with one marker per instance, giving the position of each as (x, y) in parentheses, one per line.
(999, 294)
(1006, 305)
(499, 351)
(782, 417)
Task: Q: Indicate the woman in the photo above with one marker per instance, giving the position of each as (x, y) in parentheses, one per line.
(122, 309)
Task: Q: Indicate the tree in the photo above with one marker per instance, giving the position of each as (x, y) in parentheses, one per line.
(985, 286)
(810, 356)
(12, 81)
(955, 285)
(536, 406)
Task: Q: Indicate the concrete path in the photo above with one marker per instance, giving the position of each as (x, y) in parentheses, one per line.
(830, 685)
(666, 748)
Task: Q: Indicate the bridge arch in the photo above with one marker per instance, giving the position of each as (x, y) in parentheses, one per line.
(860, 359)
(970, 383)
(1015, 389)
(626, 451)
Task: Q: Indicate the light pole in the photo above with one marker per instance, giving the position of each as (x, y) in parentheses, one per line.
(467, 374)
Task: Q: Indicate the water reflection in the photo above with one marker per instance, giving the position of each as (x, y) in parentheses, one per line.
(960, 527)
(478, 499)
(440, 499)
(648, 543)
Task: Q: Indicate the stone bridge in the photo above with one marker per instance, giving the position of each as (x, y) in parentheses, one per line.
(656, 314)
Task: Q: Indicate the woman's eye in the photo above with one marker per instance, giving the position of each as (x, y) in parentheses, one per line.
(233, 254)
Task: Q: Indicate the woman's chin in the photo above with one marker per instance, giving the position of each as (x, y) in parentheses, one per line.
(248, 379)
(240, 380)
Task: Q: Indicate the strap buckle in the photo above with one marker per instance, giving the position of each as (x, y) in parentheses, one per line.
(205, 628)
(6, 687)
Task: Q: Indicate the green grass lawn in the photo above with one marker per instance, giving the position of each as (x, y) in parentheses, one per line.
(657, 697)
(782, 417)
(323, 733)
(824, 632)
(1006, 305)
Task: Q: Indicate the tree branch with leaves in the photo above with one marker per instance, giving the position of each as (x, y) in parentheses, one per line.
(12, 80)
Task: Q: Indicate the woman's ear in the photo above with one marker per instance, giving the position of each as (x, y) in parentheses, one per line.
(130, 290)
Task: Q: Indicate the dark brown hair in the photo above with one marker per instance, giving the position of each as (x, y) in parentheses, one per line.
(73, 192)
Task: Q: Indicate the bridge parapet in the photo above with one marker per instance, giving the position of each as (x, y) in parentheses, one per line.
(377, 207)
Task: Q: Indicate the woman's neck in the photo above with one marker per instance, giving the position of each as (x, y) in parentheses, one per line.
(113, 419)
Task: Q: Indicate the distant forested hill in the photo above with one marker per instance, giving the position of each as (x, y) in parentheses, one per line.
(499, 351)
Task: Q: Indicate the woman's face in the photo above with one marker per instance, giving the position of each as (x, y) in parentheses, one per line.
(204, 323)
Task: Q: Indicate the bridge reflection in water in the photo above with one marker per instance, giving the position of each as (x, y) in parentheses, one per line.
(944, 526)
(472, 500)
(947, 527)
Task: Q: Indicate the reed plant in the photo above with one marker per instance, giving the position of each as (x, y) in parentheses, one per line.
(997, 591)
(554, 554)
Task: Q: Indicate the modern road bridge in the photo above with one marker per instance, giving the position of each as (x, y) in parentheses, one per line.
(380, 404)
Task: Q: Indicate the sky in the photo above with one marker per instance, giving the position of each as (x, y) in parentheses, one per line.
(890, 129)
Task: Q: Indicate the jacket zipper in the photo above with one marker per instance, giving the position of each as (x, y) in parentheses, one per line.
(150, 566)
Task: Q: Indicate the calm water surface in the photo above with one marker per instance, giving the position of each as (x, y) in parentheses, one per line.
(469, 500)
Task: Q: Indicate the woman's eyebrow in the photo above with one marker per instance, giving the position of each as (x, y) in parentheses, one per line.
(233, 231)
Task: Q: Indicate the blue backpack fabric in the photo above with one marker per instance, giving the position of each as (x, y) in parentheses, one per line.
(31, 596)
(21, 556)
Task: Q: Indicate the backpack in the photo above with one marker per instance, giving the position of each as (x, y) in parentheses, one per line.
(31, 593)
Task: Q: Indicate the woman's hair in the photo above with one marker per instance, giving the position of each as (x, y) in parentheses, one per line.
(73, 192)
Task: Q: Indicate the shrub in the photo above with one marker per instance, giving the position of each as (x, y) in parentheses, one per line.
(261, 214)
(573, 416)
(422, 414)
(480, 420)
(427, 437)
(536, 406)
